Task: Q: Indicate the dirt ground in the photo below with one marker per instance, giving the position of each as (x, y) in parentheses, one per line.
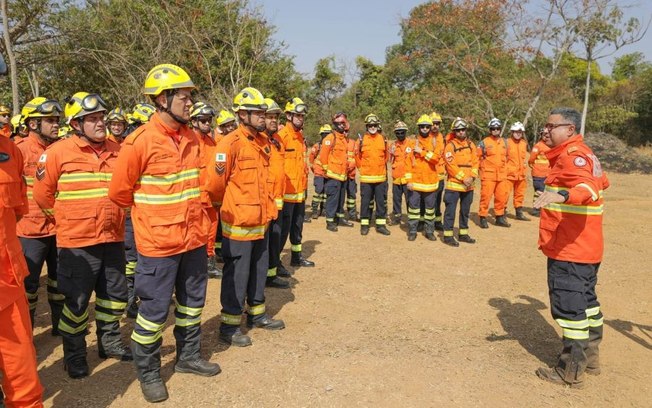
(381, 321)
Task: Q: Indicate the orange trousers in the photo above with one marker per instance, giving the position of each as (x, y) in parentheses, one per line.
(20, 381)
(518, 187)
(497, 189)
(212, 233)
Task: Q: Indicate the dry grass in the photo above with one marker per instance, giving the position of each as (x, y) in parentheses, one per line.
(616, 156)
(645, 150)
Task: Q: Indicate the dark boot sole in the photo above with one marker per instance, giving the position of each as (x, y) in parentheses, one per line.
(189, 371)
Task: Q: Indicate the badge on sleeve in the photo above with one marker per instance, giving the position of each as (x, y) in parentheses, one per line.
(449, 156)
(408, 149)
(220, 163)
(580, 161)
(42, 158)
(327, 142)
(597, 167)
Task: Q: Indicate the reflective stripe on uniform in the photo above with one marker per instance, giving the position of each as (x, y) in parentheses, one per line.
(145, 339)
(271, 272)
(425, 187)
(229, 230)
(257, 310)
(147, 325)
(190, 311)
(142, 198)
(77, 319)
(84, 177)
(82, 194)
(230, 319)
(65, 327)
(294, 197)
(373, 179)
(105, 317)
(336, 176)
(296, 247)
(110, 304)
(169, 179)
(575, 334)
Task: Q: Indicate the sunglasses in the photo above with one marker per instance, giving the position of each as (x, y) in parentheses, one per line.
(424, 126)
(205, 120)
(494, 129)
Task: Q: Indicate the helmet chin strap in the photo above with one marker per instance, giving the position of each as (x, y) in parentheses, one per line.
(39, 131)
(169, 95)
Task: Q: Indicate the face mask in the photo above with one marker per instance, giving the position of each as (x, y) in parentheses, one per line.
(339, 127)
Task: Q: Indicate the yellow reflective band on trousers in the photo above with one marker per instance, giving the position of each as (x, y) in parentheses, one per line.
(169, 179)
(84, 177)
(190, 311)
(296, 247)
(185, 195)
(82, 194)
(381, 221)
(52, 283)
(596, 322)
(256, 232)
(414, 214)
(72, 317)
(233, 320)
(148, 325)
(105, 317)
(593, 311)
(364, 221)
(141, 339)
(130, 269)
(448, 233)
(464, 231)
(32, 296)
(64, 327)
(110, 304)
(573, 324)
(429, 215)
(575, 334)
(56, 297)
(191, 321)
(257, 310)
(271, 272)
(373, 179)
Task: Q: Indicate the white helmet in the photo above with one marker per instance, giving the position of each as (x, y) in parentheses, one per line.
(517, 126)
(495, 123)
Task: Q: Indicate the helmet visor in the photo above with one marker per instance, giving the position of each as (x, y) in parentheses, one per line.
(301, 108)
(92, 102)
(49, 107)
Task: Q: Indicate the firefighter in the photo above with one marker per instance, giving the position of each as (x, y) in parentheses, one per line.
(5, 125)
(116, 122)
(18, 128)
(239, 178)
(72, 180)
(371, 156)
(333, 157)
(441, 169)
(540, 168)
(462, 168)
(201, 118)
(158, 176)
(492, 151)
(570, 235)
(277, 170)
(20, 382)
(36, 231)
(226, 123)
(398, 150)
(347, 212)
(139, 116)
(319, 179)
(517, 156)
(296, 180)
(423, 179)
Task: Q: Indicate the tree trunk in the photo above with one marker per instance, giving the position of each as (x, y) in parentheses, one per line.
(10, 55)
(587, 90)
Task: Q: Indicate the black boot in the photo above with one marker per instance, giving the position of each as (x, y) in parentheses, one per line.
(331, 226)
(520, 216)
(439, 226)
(77, 367)
(571, 365)
(315, 210)
(501, 221)
(483, 223)
(117, 350)
(154, 391)
(411, 236)
(382, 230)
(265, 322)
(74, 355)
(593, 351)
(466, 238)
(344, 222)
(198, 367)
(236, 338)
(56, 307)
(299, 260)
(364, 230)
(276, 282)
(536, 212)
(282, 271)
(451, 241)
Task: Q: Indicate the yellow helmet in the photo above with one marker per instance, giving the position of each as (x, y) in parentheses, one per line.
(296, 105)
(424, 120)
(142, 112)
(458, 124)
(371, 119)
(16, 123)
(272, 107)
(64, 131)
(224, 117)
(435, 117)
(4, 110)
(400, 125)
(164, 77)
(201, 109)
(82, 104)
(326, 129)
(116, 115)
(249, 99)
(40, 108)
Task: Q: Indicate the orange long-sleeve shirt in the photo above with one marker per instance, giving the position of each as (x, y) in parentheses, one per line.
(517, 156)
(492, 152)
(296, 166)
(371, 156)
(461, 162)
(72, 183)
(398, 151)
(333, 156)
(277, 169)
(422, 167)
(157, 174)
(538, 161)
(315, 163)
(441, 166)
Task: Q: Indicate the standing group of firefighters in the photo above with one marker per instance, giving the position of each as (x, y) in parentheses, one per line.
(139, 207)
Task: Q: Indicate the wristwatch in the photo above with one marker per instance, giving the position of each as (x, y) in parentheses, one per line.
(563, 193)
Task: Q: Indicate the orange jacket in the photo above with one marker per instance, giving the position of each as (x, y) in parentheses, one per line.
(33, 224)
(333, 156)
(277, 169)
(296, 166)
(538, 161)
(516, 158)
(572, 231)
(313, 159)
(441, 166)
(492, 152)
(206, 145)
(72, 183)
(371, 156)
(157, 174)
(13, 203)
(350, 158)
(422, 167)
(5, 131)
(397, 153)
(239, 177)
(461, 162)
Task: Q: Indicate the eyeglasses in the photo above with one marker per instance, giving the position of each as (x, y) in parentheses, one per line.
(49, 106)
(373, 126)
(205, 121)
(552, 126)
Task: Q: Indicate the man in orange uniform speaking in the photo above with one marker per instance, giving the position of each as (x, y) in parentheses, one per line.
(20, 381)
(570, 235)
(158, 176)
(492, 151)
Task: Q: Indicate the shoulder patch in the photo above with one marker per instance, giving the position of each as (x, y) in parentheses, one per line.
(579, 161)
(571, 149)
(327, 142)
(42, 158)
(220, 157)
(408, 149)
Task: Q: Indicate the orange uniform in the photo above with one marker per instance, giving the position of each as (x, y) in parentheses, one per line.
(241, 161)
(158, 174)
(538, 161)
(33, 224)
(277, 169)
(572, 231)
(441, 166)
(492, 152)
(5, 131)
(350, 158)
(398, 151)
(20, 381)
(296, 166)
(371, 156)
(517, 156)
(72, 183)
(313, 159)
(206, 144)
(333, 156)
(422, 167)
(461, 162)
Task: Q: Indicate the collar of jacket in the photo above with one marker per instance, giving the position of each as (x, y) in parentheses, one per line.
(557, 150)
(36, 138)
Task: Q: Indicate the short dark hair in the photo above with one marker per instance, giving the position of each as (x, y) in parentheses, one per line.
(571, 115)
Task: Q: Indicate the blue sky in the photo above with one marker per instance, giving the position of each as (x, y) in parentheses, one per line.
(316, 29)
